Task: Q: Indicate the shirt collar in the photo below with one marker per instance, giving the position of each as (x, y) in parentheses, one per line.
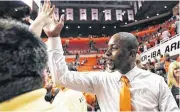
(132, 73)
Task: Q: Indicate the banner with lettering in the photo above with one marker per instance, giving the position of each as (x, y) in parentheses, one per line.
(130, 15)
(69, 14)
(172, 47)
(94, 14)
(139, 4)
(107, 14)
(135, 8)
(119, 15)
(83, 14)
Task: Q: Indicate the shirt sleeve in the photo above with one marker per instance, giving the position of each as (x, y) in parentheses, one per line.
(60, 73)
(166, 99)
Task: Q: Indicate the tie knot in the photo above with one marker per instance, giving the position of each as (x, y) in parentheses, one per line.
(125, 80)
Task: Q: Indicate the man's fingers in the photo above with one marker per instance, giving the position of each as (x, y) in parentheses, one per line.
(49, 2)
(54, 18)
(62, 19)
(40, 8)
(45, 6)
(52, 10)
(48, 5)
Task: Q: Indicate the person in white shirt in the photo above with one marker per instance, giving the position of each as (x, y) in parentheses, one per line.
(149, 92)
(165, 35)
(177, 25)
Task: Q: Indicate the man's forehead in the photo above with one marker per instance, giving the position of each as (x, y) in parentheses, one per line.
(114, 40)
(111, 41)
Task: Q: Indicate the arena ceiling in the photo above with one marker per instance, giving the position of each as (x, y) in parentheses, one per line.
(162, 10)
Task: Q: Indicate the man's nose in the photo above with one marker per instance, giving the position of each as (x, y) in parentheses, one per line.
(108, 53)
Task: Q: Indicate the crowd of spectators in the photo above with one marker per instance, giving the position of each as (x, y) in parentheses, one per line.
(161, 33)
(167, 67)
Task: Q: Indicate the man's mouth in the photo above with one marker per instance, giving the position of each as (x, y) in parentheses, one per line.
(109, 61)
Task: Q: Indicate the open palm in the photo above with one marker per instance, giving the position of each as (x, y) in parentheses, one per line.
(53, 29)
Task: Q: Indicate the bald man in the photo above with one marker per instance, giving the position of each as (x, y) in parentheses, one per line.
(148, 91)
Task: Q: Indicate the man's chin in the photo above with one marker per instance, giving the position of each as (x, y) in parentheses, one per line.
(110, 67)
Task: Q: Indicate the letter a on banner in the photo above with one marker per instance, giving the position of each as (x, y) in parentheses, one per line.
(83, 15)
(119, 15)
(69, 14)
(94, 14)
(130, 15)
(107, 14)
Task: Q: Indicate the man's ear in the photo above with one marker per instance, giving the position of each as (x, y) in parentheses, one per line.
(133, 52)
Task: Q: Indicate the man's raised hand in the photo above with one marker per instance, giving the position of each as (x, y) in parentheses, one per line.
(54, 28)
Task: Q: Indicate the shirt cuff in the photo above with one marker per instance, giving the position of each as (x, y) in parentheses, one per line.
(54, 43)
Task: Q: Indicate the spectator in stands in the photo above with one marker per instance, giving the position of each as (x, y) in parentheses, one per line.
(67, 43)
(77, 58)
(178, 58)
(138, 61)
(141, 47)
(90, 99)
(71, 67)
(157, 66)
(167, 62)
(159, 31)
(121, 55)
(145, 46)
(158, 40)
(172, 29)
(162, 58)
(165, 35)
(91, 44)
(174, 80)
(177, 25)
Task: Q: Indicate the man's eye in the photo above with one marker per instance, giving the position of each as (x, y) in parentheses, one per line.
(114, 48)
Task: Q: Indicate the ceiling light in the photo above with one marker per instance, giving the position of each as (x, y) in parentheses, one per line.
(63, 10)
(147, 17)
(103, 11)
(114, 26)
(157, 14)
(135, 20)
(125, 22)
(78, 27)
(89, 26)
(103, 26)
(67, 27)
(165, 7)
